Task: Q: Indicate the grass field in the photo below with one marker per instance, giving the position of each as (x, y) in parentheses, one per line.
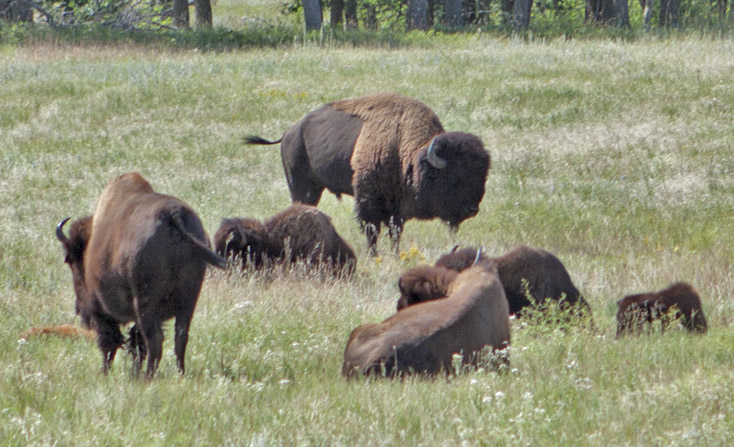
(618, 157)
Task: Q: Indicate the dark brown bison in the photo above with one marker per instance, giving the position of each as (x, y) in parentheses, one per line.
(524, 271)
(392, 154)
(679, 301)
(140, 258)
(423, 338)
(298, 233)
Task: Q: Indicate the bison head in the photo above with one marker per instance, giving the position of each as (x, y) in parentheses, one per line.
(246, 239)
(74, 246)
(634, 312)
(452, 170)
(424, 283)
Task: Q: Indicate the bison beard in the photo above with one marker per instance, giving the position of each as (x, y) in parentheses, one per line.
(140, 258)
(392, 153)
(678, 301)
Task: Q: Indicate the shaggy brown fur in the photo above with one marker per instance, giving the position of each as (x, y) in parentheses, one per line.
(63, 330)
(423, 338)
(524, 271)
(376, 148)
(679, 301)
(298, 233)
(143, 261)
(424, 283)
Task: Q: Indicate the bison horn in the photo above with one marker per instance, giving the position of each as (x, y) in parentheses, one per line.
(479, 255)
(60, 231)
(433, 158)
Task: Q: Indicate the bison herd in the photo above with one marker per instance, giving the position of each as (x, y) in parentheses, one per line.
(140, 258)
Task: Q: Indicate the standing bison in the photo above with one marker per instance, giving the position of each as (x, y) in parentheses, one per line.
(140, 258)
(677, 301)
(529, 275)
(392, 154)
(423, 339)
(298, 233)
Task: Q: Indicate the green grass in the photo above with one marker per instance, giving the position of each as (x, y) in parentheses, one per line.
(617, 156)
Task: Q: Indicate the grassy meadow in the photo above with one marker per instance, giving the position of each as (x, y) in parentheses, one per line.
(616, 156)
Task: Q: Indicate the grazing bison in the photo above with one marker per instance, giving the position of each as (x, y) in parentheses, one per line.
(678, 301)
(423, 338)
(523, 271)
(140, 258)
(392, 154)
(300, 232)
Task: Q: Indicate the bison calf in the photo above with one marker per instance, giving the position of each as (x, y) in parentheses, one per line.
(423, 338)
(679, 301)
(299, 233)
(140, 258)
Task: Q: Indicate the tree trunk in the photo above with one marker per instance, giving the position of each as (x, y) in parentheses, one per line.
(621, 13)
(600, 11)
(370, 16)
(350, 14)
(312, 14)
(521, 17)
(203, 14)
(507, 11)
(669, 13)
(452, 13)
(647, 13)
(417, 15)
(336, 8)
(181, 13)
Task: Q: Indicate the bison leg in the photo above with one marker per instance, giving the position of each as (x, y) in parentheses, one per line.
(395, 230)
(109, 340)
(372, 231)
(150, 328)
(182, 338)
(137, 348)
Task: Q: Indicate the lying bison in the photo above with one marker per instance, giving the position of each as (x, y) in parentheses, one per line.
(525, 272)
(140, 258)
(678, 301)
(392, 154)
(422, 339)
(299, 233)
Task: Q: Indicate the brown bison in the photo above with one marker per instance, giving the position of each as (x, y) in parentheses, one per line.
(392, 154)
(300, 232)
(524, 271)
(678, 301)
(423, 338)
(140, 258)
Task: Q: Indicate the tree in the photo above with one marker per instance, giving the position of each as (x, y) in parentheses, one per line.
(521, 17)
(350, 14)
(312, 14)
(180, 13)
(416, 16)
(337, 12)
(452, 13)
(203, 14)
(16, 10)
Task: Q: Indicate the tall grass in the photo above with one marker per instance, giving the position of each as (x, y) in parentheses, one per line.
(616, 156)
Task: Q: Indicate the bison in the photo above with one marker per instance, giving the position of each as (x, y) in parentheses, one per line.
(423, 339)
(525, 272)
(141, 257)
(300, 232)
(677, 301)
(392, 154)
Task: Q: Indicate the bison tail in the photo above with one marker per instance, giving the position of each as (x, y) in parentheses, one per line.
(254, 139)
(204, 250)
